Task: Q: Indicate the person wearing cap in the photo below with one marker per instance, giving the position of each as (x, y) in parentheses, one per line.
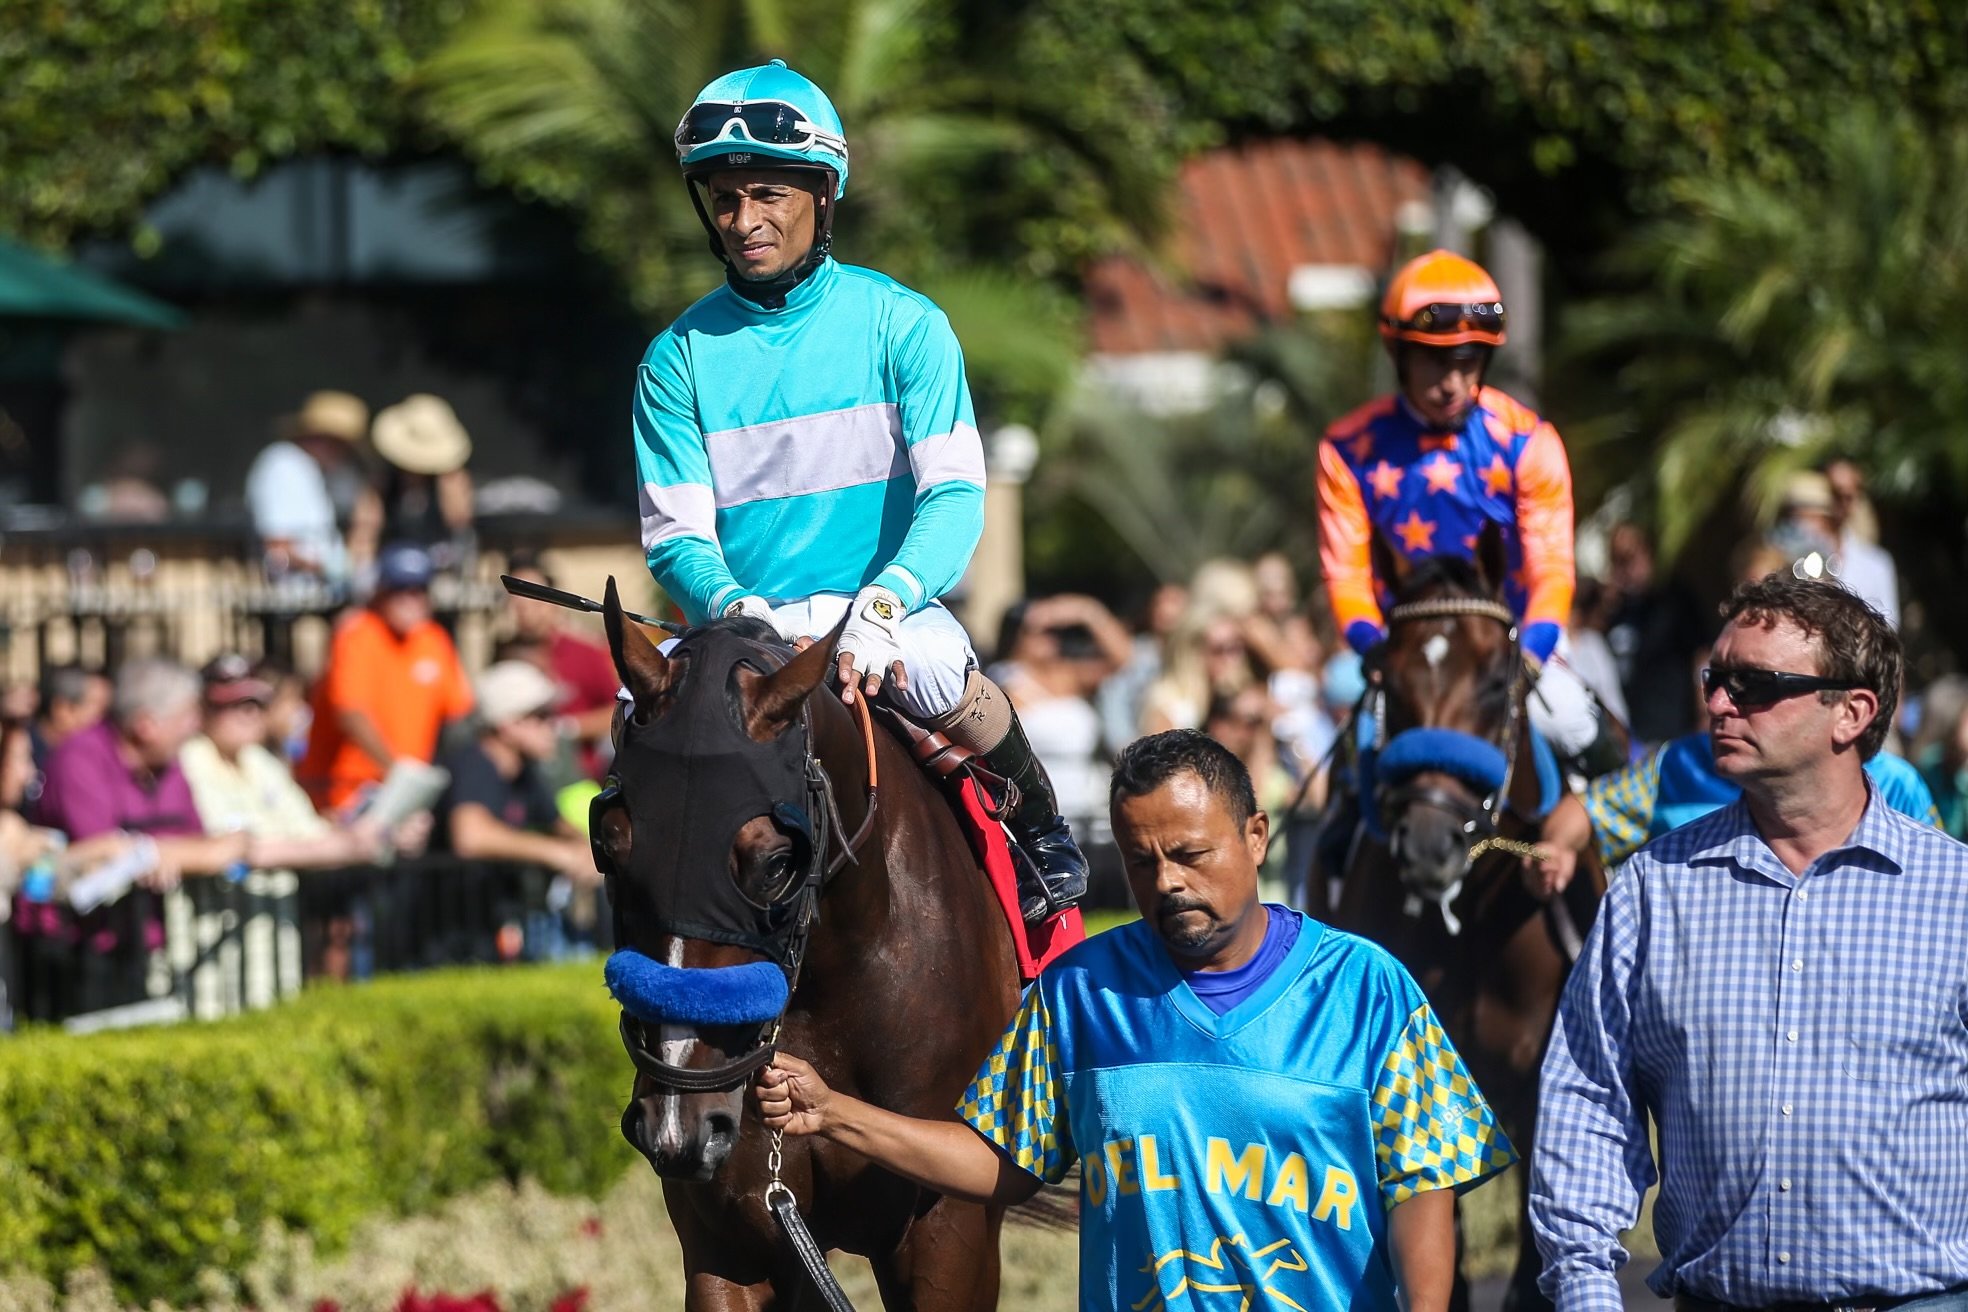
(392, 681)
(499, 806)
(425, 493)
(291, 489)
(807, 452)
(1811, 524)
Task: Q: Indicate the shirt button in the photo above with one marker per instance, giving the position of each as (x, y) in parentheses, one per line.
(1802, 894)
(1783, 1258)
(1786, 1109)
(1797, 964)
(1783, 1185)
(1792, 1036)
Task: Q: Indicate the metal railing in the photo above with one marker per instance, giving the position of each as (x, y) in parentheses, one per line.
(236, 945)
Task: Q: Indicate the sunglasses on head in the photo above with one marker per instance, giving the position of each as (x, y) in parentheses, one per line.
(1748, 686)
(762, 123)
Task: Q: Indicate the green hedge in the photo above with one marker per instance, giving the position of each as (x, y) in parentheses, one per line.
(159, 1154)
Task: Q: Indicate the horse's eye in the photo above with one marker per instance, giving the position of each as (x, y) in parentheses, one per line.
(771, 880)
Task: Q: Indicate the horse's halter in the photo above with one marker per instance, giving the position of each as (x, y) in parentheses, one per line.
(1480, 822)
(694, 897)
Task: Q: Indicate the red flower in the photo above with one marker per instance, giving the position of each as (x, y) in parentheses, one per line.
(574, 1300)
(592, 1227)
(483, 1301)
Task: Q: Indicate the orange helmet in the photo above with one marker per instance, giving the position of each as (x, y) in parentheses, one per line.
(1442, 299)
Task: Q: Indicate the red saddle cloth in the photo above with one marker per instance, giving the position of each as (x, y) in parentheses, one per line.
(1037, 945)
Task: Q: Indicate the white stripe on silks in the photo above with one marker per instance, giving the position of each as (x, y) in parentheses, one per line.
(682, 510)
(813, 453)
(953, 457)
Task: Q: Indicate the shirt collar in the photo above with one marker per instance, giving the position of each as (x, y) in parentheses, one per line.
(805, 293)
(1880, 842)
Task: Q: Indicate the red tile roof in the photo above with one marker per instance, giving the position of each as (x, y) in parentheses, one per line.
(1247, 217)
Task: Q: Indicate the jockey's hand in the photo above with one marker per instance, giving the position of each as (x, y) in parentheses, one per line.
(870, 648)
(757, 608)
(792, 1097)
(1563, 836)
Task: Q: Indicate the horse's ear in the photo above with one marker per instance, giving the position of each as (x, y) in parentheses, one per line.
(1492, 560)
(1389, 565)
(777, 702)
(643, 669)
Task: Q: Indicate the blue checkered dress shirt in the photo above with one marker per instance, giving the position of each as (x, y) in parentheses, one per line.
(1801, 1044)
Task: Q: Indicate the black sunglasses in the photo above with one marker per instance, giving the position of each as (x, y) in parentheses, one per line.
(1748, 686)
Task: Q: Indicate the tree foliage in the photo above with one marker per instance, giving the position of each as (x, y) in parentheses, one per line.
(108, 102)
(963, 153)
(1572, 109)
(1779, 323)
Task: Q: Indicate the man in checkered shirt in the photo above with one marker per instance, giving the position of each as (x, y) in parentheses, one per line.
(1781, 987)
(1265, 1111)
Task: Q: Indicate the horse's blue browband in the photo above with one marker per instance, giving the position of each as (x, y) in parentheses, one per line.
(751, 994)
(1469, 758)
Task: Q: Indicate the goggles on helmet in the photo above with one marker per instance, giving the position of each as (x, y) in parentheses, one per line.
(1448, 317)
(758, 123)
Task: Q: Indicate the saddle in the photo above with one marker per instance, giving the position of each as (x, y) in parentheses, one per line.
(981, 798)
(943, 759)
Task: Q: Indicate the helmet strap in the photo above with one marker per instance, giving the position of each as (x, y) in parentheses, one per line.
(771, 293)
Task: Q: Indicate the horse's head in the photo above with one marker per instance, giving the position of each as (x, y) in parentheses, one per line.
(1447, 691)
(712, 849)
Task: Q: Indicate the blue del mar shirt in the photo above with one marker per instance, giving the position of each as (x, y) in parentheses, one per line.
(1800, 1044)
(1252, 1154)
(812, 448)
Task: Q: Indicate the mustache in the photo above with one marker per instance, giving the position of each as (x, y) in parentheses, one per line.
(1175, 906)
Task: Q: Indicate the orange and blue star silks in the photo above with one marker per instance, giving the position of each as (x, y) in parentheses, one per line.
(1429, 493)
(1254, 1154)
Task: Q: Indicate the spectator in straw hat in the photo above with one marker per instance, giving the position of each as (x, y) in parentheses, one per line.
(292, 489)
(425, 489)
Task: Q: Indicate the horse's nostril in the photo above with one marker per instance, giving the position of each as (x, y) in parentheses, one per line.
(721, 1125)
(632, 1128)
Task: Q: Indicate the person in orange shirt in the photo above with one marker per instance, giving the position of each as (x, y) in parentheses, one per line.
(392, 681)
(1430, 466)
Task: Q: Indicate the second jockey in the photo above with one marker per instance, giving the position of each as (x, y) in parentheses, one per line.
(1429, 466)
(806, 448)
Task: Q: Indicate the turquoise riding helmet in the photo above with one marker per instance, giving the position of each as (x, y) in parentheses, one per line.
(764, 117)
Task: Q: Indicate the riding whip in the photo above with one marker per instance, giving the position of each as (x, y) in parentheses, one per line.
(575, 601)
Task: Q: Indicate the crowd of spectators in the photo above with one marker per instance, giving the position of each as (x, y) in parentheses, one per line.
(116, 787)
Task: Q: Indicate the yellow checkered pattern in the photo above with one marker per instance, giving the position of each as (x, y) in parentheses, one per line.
(1018, 1099)
(1432, 1128)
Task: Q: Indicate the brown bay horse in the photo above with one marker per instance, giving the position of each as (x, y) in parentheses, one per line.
(1454, 769)
(762, 894)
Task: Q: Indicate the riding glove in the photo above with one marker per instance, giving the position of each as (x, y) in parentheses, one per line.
(759, 609)
(871, 633)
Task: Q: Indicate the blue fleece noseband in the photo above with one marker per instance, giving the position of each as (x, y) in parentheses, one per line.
(1476, 762)
(751, 994)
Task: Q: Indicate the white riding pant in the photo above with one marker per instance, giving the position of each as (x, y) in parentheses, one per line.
(936, 651)
(1562, 709)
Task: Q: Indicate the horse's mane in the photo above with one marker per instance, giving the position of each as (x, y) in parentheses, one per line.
(748, 627)
(1451, 574)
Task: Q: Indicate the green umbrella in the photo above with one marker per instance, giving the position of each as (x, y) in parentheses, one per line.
(33, 286)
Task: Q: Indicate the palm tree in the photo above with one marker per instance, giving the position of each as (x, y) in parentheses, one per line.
(574, 102)
(1782, 324)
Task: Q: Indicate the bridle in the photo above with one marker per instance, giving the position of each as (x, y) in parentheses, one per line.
(817, 823)
(1480, 823)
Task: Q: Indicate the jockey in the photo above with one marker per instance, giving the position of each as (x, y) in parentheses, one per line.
(1429, 466)
(807, 451)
